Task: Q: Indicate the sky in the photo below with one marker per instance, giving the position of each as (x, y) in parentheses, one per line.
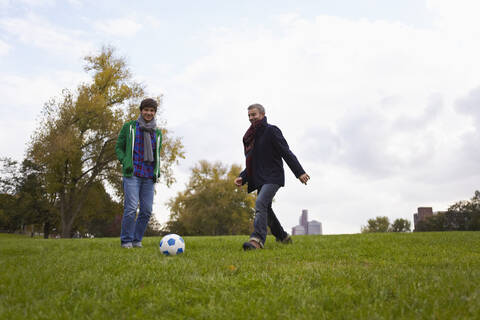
(378, 99)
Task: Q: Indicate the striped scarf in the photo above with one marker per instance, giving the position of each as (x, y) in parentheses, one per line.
(249, 143)
(147, 128)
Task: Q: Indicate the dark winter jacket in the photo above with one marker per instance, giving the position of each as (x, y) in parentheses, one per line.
(267, 165)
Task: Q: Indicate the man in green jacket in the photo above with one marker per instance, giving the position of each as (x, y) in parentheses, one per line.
(138, 149)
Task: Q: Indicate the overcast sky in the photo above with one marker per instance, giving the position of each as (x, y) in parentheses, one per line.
(379, 99)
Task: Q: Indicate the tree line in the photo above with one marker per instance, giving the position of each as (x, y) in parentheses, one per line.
(461, 216)
(382, 224)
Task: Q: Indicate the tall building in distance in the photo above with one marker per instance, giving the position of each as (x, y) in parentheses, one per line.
(304, 220)
(307, 227)
(422, 213)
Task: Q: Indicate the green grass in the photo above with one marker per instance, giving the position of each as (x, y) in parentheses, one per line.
(364, 276)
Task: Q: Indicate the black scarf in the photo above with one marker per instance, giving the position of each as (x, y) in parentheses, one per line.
(249, 143)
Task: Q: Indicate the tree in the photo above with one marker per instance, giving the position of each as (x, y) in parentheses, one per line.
(27, 201)
(154, 228)
(400, 225)
(10, 220)
(379, 224)
(74, 143)
(433, 223)
(99, 214)
(34, 204)
(464, 215)
(211, 203)
(9, 176)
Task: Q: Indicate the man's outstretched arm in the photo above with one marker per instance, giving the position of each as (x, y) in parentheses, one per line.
(282, 146)
(241, 179)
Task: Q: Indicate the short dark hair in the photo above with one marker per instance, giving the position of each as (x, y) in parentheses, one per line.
(257, 106)
(148, 103)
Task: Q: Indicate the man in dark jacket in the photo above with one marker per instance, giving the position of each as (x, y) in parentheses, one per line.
(265, 147)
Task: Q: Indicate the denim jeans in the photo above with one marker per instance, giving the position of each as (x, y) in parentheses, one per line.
(136, 190)
(264, 215)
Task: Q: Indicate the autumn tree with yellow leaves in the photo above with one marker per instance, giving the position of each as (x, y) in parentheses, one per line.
(211, 204)
(75, 141)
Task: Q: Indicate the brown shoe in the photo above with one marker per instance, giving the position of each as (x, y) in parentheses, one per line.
(287, 240)
(251, 245)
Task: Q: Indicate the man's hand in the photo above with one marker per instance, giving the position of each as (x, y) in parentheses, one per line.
(304, 178)
(238, 181)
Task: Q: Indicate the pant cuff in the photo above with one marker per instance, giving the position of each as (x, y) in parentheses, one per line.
(257, 240)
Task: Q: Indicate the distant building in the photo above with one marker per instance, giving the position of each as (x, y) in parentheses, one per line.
(298, 230)
(304, 220)
(422, 214)
(307, 227)
(314, 227)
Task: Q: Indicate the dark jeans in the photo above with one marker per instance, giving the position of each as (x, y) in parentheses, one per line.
(264, 215)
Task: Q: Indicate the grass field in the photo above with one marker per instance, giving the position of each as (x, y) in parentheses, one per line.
(364, 276)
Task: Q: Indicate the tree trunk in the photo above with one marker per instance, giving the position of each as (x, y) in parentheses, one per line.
(46, 230)
(65, 216)
(69, 212)
(66, 227)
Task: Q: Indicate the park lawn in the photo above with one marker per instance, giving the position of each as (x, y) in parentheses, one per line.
(362, 276)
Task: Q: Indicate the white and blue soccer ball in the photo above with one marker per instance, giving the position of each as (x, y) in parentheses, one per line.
(172, 244)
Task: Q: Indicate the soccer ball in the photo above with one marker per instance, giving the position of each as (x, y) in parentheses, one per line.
(172, 244)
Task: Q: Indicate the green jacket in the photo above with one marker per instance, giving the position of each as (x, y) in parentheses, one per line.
(125, 145)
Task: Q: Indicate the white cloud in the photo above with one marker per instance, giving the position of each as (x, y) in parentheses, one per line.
(122, 27)
(38, 3)
(455, 16)
(36, 31)
(4, 48)
(76, 3)
(40, 88)
(27, 3)
(32, 4)
(470, 106)
(367, 106)
(22, 101)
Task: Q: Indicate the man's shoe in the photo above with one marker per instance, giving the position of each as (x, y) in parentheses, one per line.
(137, 244)
(248, 246)
(127, 245)
(251, 245)
(287, 240)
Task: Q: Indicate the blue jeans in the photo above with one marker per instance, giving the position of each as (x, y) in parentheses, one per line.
(136, 190)
(264, 215)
